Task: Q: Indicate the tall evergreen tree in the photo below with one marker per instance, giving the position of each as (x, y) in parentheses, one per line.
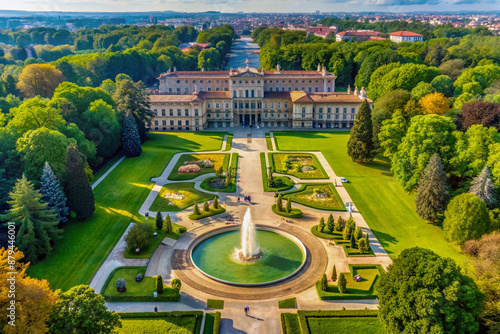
(432, 194)
(131, 142)
(215, 203)
(342, 283)
(334, 273)
(271, 182)
(159, 220)
(37, 224)
(279, 203)
(53, 194)
(206, 207)
(484, 188)
(288, 205)
(324, 283)
(80, 195)
(321, 224)
(168, 224)
(360, 145)
(196, 210)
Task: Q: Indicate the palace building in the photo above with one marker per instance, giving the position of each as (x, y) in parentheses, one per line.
(196, 100)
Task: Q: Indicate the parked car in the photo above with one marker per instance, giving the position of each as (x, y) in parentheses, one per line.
(139, 277)
(344, 180)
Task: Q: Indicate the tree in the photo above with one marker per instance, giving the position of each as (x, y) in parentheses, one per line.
(435, 103)
(415, 295)
(324, 283)
(330, 224)
(426, 135)
(352, 241)
(367, 243)
(342, 283)
(465, 218)
(288, 205)
(138, 236)
(133, 98)
(271, 182)
(206, 207)
(421, 90)
(479, 112)
(176, 284)
(53, 195)
(432, 194)
(229, 177)
(159, 284)
(39, 79)
(196, 210)
(80, 196)
(360, 145)
(159, 220)
(279, 203)
(33, 114)
(37, 224)
(362, 245)
(215, 203)
(321, 224)
(131, 142)
(121, 285)
(443, 84)
(81, 310)
(209, 59)
(40, 146)
(392, 133)
(34, 298)
(340, 224)
(334, 274)
(483, 187)
(168, 224)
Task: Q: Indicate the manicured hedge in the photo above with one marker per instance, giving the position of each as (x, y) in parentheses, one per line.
(287, 183)
(323, 235)
(291, 323)
(212, 323)
(295, 213)
(215, 303)
(325, 295)
(229, 142)
(269, 141)
(179, 314)
(315, 205)
(205, 214)
(288, 303)
(168, 295)
(324, 175)
(354, 252)
(204, 185)
(303, 315)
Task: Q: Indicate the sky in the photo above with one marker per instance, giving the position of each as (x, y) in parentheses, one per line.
(228, 6)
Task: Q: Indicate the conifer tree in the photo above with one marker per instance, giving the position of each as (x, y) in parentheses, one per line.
(271, 182)
(330, 223)
(168, 224)
(346, 233)
(131, 142)
(358, 234)
(206, 207)
(159, 220)
(196, 210)
(229, 177)
(279, 203)
(288, 205)
(342, 283)
(80, 195)
(353, 241)
(484, 188)
(362, 245)
(53, 195)
(367, 243)
(324, 283)
(159, 284)
(334, 273)
(321, 224)
(432, 195)
(340, 223)
(360, 145)
(215, 203)
(36, 223)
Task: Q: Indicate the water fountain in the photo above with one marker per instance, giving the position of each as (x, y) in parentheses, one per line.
(249, 250)
(248, 255)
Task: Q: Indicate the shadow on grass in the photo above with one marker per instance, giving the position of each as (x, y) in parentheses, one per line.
(385, 240)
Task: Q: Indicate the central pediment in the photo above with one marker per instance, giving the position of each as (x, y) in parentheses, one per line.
(248, 72)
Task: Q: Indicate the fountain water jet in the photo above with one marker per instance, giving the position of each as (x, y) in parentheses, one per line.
(249, 251)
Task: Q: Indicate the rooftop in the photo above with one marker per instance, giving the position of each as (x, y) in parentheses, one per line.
(405, 34)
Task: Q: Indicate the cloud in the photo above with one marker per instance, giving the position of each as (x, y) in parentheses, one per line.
(469, 2)
(401, 2)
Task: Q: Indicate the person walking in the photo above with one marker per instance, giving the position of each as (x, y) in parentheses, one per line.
(156, 309)
(147, 215)
(238, 199)
(246, 310)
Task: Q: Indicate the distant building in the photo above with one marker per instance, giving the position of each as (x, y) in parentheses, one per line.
(356, 35)
(321, 31)
(457, 24)
(196, 100)
(185, 47)
(405, 36)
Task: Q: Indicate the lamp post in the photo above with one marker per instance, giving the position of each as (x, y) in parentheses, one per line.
(349, 206)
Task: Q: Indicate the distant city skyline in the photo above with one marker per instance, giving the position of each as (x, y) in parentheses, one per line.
(233, 6)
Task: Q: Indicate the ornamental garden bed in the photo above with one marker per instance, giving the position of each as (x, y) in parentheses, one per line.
(136, 291)
(189, 197)
(301, 165)
(321, 196)
(282, 183)
(147, 252)
(178, 322)
(198, 164)
(212, 323)
(364, 289)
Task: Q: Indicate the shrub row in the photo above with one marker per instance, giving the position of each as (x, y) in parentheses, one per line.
(205, 214)
(269, 141)
(303, 315)
(295, 213)
(177, 314)
(325, 295)
(167, 296)
(229, 142)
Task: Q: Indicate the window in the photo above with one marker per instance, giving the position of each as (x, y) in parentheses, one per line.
(279, 105)
(196, 112)
(285, 115)
(329, 110)
(259, 105)
(336, 116)
(289, 89)
(234, 82)
(252, 93)
(227, 115)
(209, 115)
(328, 116)
(337, 110)
(282, 89)
(320, 116)
(209, 81)
(270, 89)
(196, 122)
(208, 106)
(303, 110)
(217, 106)
(272, 105)
(156, 122)
(252, 105)
(201, 81)
(194, 81)
(241, 105)
(217, 89)
(163, 112)
(170, 89)
(286, 105)
(353, 110)
(164, 122)
(320, 110)
(345, 110)
(272, 115)
(227, 105)
(171, 122)
(353, 117)
(344, 117)
(187, 122)
(279, 115)
(329, 89)
(156, 112)
(171, 112)
(178, 81)
(310, 89)
(217, 115)
(303, 116)
(178, 112)
(316, 89)
(234, 93)
(209, 89)
(265, 115)
(247, 105)
(178, 90)
(235, 105)
(186, 112)
(186, 90)
(179, 122)
(246, 92)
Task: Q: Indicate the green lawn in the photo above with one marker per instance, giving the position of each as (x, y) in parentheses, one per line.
(306, 195)
(269, 141)
(215, 303)
(229, 142)
(136, 291)
(281, 182)
(288, 303)
(191, 196)
(162, 322)
(85, 245)
(218, 160)
(296, 164)
(204, 214)
(147, 252)
(371, 325)
(212, 323)
(387, 209)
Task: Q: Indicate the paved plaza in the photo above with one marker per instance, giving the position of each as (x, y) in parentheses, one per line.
(263, 302)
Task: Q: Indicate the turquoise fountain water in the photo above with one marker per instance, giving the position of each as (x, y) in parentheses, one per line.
(248, 256)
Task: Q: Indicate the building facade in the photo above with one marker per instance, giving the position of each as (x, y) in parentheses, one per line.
(405, 36)
(356, 35)
(196, 100)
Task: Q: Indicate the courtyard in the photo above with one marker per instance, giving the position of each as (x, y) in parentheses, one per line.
(141, 186)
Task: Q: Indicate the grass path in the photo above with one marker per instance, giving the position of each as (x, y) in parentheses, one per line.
(387, 209)
(85, 245)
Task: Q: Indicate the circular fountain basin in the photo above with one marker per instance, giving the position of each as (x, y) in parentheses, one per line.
(214, 255)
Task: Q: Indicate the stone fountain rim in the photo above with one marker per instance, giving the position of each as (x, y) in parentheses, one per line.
(268, 228)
